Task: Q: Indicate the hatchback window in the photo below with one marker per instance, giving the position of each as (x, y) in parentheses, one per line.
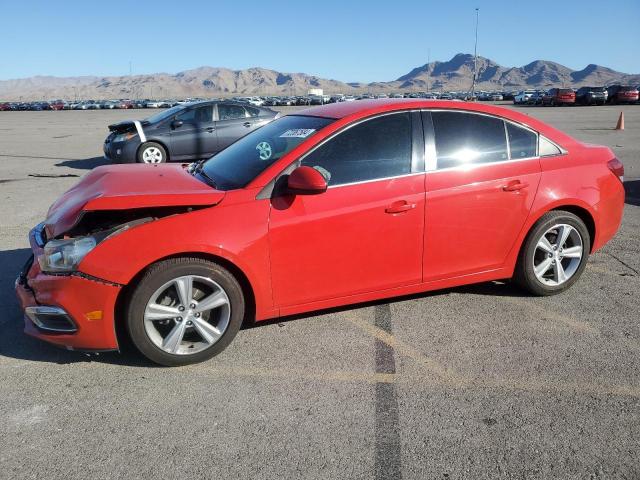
(522, 142)
(376, 148)
(467, 138)
(230, 112)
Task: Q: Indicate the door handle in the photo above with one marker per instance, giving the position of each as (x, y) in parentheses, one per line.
(247, 124)
(514, 186)
(400, 207)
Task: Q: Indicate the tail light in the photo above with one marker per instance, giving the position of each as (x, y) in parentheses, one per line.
(617, 168)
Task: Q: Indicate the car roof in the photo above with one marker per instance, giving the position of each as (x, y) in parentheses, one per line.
(351, 111)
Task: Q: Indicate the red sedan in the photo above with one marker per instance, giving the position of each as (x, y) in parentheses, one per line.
(329, 206)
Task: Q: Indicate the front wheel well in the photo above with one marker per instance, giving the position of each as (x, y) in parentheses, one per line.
(124, 295)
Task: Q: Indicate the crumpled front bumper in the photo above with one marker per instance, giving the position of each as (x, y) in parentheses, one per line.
(89, 302)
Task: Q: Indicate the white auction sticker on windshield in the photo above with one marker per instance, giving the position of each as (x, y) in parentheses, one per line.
(298, 133)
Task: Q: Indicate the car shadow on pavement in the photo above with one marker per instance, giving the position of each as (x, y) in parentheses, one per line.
(84, 163)
(632, 192)
(14, 343)
(494, 289)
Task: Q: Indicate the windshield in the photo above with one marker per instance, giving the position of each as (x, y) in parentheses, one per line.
(158, 117)
(235, 166)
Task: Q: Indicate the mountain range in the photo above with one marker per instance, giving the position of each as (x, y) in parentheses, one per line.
(452, 75)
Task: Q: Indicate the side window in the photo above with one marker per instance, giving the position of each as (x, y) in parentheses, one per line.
(230, 112)
(252, 111)
(546, 148)
(467, 138)
(523, 143)
(196, 115)
(376, 148)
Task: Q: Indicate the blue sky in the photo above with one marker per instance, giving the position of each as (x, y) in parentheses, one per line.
(346, 40)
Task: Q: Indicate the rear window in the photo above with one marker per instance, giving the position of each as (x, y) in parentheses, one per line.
(628, 89)
(467, 138)
(565, 90)
(523, 143)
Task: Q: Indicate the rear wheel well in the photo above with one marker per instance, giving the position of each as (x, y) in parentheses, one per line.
(583, 215)
(124, 295)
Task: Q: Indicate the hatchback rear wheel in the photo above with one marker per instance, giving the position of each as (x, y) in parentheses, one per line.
(184, 310)
(554, 255)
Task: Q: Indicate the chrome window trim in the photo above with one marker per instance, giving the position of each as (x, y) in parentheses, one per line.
(412, 174)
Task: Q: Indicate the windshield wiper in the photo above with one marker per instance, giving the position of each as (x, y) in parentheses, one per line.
(197, 168)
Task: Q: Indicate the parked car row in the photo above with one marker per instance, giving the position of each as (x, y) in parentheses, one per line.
(587, 95)
(613, 94)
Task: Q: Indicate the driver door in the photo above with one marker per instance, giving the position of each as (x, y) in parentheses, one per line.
(365, 233)
(196, 137)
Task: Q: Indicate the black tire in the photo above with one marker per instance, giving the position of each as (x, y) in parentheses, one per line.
(163, 272)
(151, 145)
(524, 274)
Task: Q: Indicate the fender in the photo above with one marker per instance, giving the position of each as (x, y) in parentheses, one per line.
(229, 231)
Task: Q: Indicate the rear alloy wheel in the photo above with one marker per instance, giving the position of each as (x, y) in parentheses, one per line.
(152, 152)
(554, 254)
(184, 311)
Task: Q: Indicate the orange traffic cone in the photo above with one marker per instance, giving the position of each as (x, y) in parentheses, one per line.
(620, 124)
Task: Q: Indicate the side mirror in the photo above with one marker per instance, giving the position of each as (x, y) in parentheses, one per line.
(176, 123)
(306, 181)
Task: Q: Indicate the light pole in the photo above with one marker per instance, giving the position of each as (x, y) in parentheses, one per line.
(475, 57)
(428, 72)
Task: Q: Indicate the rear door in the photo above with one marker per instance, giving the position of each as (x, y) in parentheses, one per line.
(232, 123)
(196, 137)
(479, 191)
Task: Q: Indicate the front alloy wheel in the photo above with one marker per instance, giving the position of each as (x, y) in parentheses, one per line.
(184, 310)
(187, 315)
(152, 152)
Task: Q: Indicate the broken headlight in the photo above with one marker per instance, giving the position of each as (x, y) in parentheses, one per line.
(65, 255)
(123, 137)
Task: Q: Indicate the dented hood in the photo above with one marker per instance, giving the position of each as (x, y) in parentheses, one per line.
(124, 187)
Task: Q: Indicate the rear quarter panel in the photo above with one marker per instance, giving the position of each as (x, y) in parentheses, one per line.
(580, 178)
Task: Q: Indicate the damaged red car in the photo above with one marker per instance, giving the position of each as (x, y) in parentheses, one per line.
(334, 205)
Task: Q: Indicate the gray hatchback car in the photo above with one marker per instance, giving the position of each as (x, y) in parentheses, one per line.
(184, 132)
